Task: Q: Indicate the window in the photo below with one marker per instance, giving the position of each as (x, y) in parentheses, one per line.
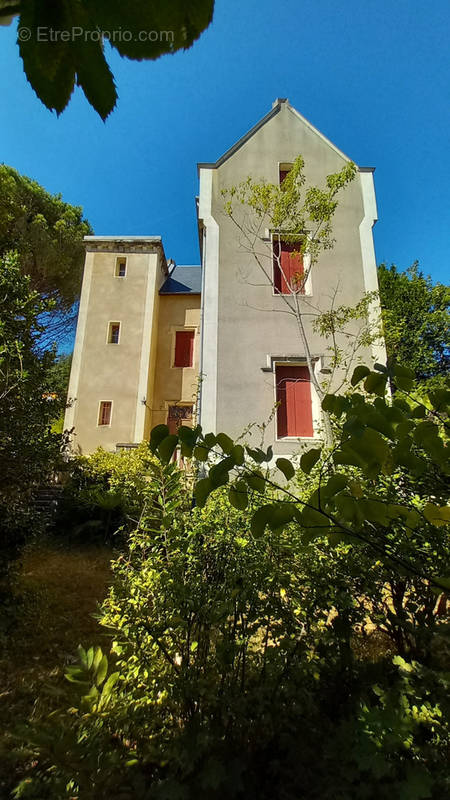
(113, 332)
(179, 415)
(104, 413)
(121, 268)
(284, 169)
(288, 273)
(184, 349)
(293, 393)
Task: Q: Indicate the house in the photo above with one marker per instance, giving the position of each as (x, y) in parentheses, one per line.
(157, 343)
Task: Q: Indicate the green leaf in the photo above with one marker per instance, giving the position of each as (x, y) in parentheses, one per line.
(201, 453)
(82, 655)
(375, 383)
(218, 473)
(256, 481)
(97, 658)
(359, 373)
(285, 466)
(309, 459)
(259, 521)
(335, 484)
(167, 447)
(328, 403)
(238, 495)
(102, 669)
(437, 515)
(95, 77)
(280, 514)
(225, 443)
(158, 433)
(257, 455)
(202, 491)
(238, 454)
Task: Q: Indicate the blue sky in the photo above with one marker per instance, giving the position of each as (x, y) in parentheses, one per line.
(373, 76)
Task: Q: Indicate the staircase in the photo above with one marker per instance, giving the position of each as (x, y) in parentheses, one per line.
(45, 500)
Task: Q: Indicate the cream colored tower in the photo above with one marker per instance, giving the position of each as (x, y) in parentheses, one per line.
(112, 378)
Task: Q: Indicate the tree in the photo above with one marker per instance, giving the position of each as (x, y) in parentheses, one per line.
(416, 321)
(47, 234)
(62, 44)
(302, 218)
(28, 448)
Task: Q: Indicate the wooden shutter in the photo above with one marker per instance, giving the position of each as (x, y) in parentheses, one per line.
(184, 348)
(283, 173)
(291, 272)
(293, 392)
(105, 413)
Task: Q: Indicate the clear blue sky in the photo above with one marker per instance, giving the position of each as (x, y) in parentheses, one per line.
(372, 75)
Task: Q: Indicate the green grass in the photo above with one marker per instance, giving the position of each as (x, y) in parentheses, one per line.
(56, 593)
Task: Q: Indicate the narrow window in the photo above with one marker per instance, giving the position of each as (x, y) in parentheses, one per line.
(121, 267)
(179, 415)
(104, 414)
(184, 349)
(113, 332)
(284, 170)
(288, 274)
(293, 393)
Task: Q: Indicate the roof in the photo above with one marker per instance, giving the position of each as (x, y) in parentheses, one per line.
(279, 104)
(183, 280)
(122, 238)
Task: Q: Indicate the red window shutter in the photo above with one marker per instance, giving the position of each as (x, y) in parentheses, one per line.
(286, 255)
(283, 173)
(294, 414)
(184, 348)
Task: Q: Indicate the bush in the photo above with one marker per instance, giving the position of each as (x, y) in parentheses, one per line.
(234, 672)
(104, 493)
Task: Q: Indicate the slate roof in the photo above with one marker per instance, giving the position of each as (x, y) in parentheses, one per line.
(183, 280)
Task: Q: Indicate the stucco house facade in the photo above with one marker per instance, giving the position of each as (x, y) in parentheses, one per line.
(207, 343)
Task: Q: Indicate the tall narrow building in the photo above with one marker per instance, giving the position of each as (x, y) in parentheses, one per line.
(156, 344)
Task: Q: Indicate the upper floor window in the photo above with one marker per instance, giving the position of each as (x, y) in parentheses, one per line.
(104, 412)
(288, 271)
(284, 169)
(113, 332)
(293, 395)
(121, 267)
(184, 349)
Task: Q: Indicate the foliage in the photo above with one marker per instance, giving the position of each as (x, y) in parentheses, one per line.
(47, 234)
(62, 45)
(398, 455)
(58, 379)
(105, 492)
(28, 448)
(291, 209)
(235, 670)
(416, 322)
(26, 443)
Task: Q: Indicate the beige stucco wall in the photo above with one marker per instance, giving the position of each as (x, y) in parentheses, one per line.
(250, 331)
(175, 385)
(109, 372)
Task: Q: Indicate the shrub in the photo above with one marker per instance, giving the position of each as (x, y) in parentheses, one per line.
(104, 493)
(233, 672)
